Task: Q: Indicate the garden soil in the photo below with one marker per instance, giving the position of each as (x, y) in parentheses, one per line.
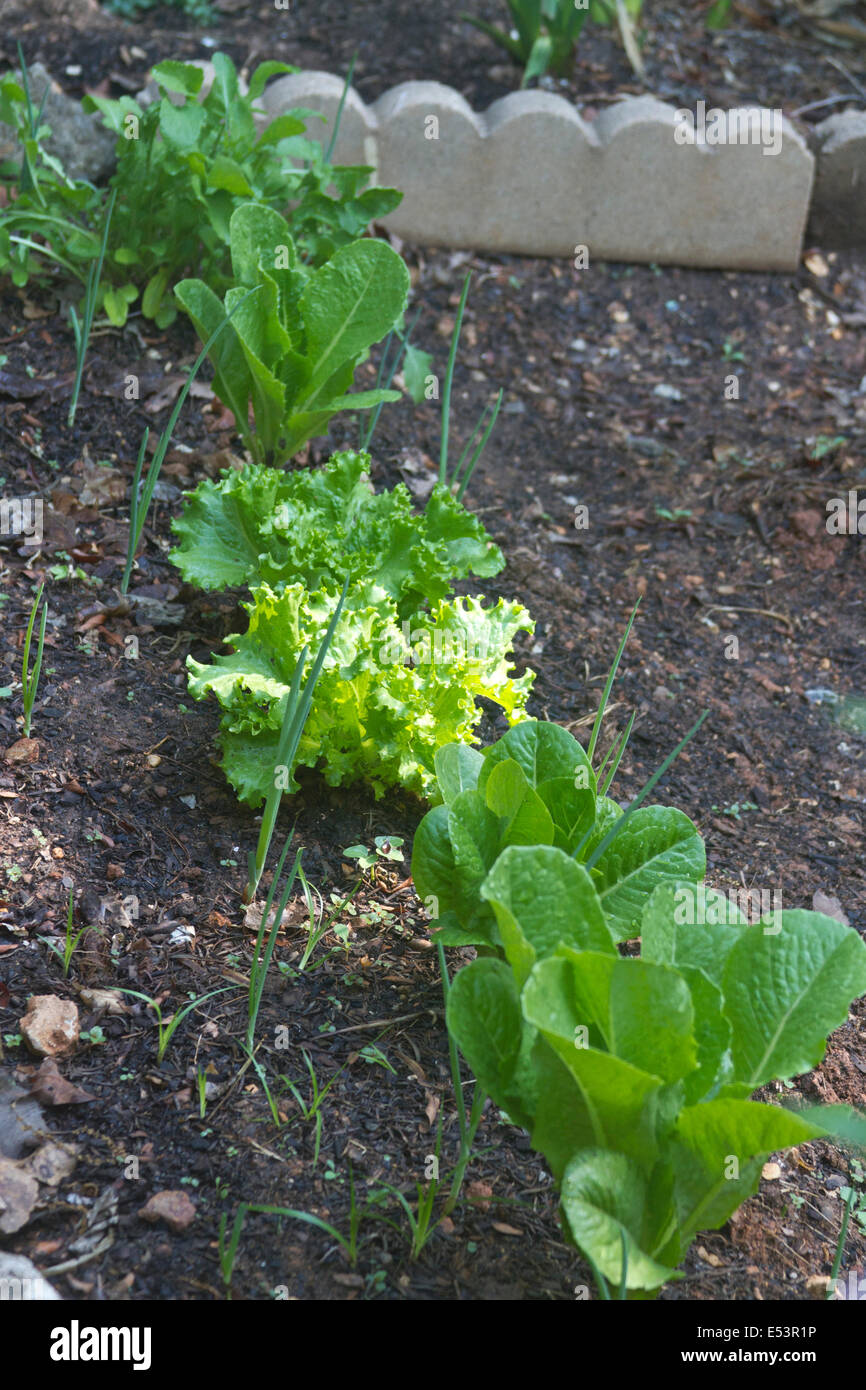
(710, 510)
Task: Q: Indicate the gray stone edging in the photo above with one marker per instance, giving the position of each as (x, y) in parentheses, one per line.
(531, 176)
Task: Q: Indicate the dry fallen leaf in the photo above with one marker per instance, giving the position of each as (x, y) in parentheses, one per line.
(49, 1086)
(830, 906)
(24, 750)
(18, 1194)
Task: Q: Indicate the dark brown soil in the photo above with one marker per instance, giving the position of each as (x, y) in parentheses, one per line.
(772, 53)
(712, 510)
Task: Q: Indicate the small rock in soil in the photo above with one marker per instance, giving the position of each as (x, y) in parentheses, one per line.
(50, 1025)
(174, 1208)
(83, 145)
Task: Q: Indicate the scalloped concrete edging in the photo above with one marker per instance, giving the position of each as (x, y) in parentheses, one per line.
(531, 176)
(839, 203)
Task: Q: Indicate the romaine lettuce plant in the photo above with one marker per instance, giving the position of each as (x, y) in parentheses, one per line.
(291, 353)
(407, 662)
(535, 786)
(633, 1075)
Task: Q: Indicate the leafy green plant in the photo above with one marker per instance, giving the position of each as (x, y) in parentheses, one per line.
(536, 786)
(405, 665)
(292, 358)
(267, 526)
(48, 216)
(547, 32)
(166, 1027)
(71, 939)
(633, 1074)
(386, 847)
(184, 166)
(30, 679)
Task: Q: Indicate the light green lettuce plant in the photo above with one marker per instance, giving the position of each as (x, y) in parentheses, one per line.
(407, 663)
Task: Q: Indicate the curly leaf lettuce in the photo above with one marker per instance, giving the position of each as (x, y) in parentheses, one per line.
(391, 693)
(265, 526)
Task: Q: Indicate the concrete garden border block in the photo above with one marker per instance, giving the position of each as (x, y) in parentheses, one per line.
(536, 163)
(661, 192)
(839, 205)
(432, 139)
(642, 183)
(321, 91)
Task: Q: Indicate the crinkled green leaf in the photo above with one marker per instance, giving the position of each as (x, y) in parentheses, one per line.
(374, 719)
(786, 991)
(605, 1200)
(543, 900)
(656, 843)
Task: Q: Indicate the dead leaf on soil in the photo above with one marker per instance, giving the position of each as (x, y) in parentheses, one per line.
(48, 1085)
(24, 750)
(102, 486)
(51, 1163)
(18, 1195)
(830, 906)
(109, 1001)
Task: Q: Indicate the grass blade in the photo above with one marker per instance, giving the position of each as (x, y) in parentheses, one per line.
(339, 116)
(611, 677)
(618, 825)
(82, 330)
(449, 376)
